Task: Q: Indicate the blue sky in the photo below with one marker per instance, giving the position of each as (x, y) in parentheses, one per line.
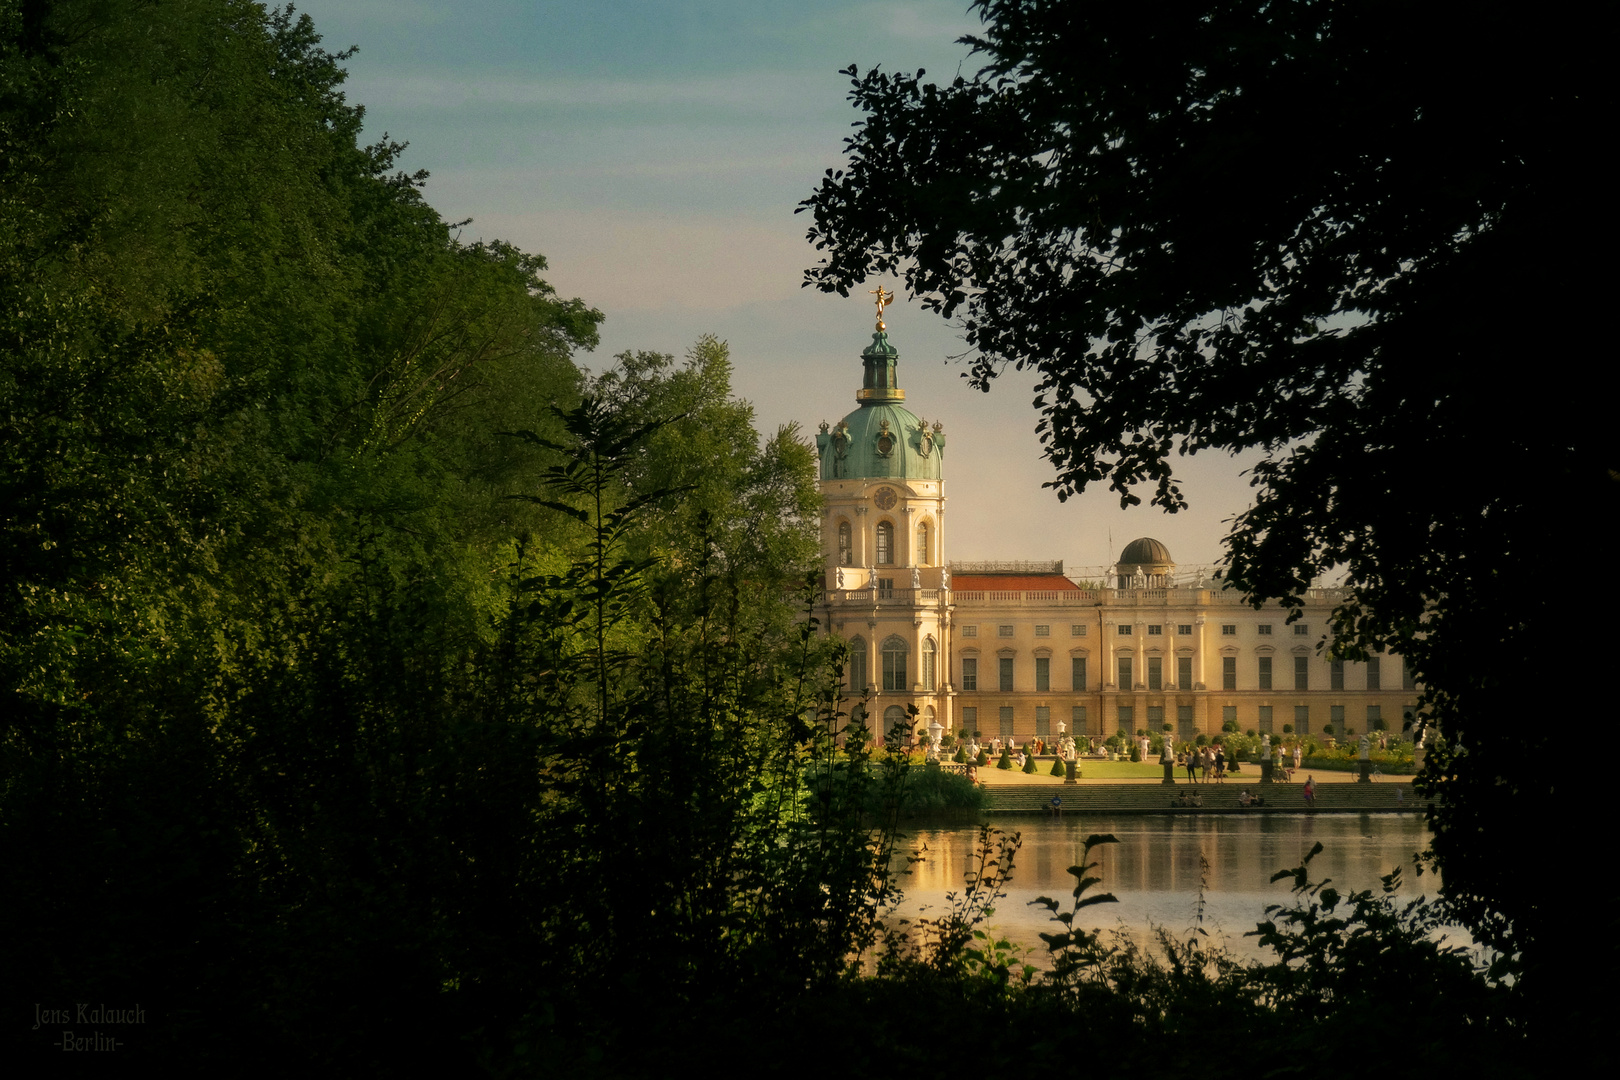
(654, 152)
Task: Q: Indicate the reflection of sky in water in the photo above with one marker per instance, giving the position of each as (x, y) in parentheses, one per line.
(1154, 869)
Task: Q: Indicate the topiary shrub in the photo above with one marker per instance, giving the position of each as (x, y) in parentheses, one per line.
(1230, 726)
(1136, 751)
(1251, 733)
(1006, 759)
(1202, 740)
(1029, 762)
(960, 757)
(1327, 729)
(983, 759)
(1288, 729)
(1058, 768)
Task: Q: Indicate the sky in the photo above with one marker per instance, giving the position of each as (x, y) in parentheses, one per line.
(654, 151)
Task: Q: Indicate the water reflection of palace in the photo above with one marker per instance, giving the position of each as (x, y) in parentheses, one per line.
(1022, 649)
(1157, 867)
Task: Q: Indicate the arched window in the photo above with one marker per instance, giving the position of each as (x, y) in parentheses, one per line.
(894, 665)
(885, 543)
(857, 665)
(846, 545)
(922, 545)
(930, 653)
(892, 716)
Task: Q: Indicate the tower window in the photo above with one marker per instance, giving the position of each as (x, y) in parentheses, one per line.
(894, 665)
(885, 543)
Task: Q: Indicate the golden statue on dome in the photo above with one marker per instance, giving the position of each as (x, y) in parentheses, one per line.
(884, 299)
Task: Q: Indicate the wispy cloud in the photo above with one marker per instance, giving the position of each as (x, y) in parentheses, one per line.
(758, 93)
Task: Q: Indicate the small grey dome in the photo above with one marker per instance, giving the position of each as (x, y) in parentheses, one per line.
(1145, 551)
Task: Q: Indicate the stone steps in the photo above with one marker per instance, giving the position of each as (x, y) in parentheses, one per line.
(1151, 798)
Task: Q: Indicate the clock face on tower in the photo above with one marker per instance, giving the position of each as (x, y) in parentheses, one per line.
(885, 498)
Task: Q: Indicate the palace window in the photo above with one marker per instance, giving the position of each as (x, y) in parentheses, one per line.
(1408, 679)
(857, 665)
(1155, 630)
(885, 588)
(1155, 673)
(1043, 720)
(1077, 629)
(1124, 673)
(1006, 722)
(1077, 721)
(1127, 717)
(929, 655)
(1184, 722)
(1265, 629)
(1077, 672)
(970, 719)
(1336, 717)
(1375, 716)
(1043, 673)
(894, 665)
(970, 631)
(1228, 713)
(1004, 631)
(1228, 673)
(1005, 671)
(1302, 673)
(846, 545)
(1043, 631)
(1302, 719)
(970, 673)
(1184, 629)
(1123, 629)
(1335, 674)
(1265, 673)
(1300, 629)
(922, 545)
(885, 543)
(1184, 677)
(1265, 719)
(1228, 629)
(1155, 718)
(1375, 675)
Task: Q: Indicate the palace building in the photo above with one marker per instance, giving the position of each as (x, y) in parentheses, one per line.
(1019, 650)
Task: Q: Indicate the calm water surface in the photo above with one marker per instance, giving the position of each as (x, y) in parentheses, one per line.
(1155, 868)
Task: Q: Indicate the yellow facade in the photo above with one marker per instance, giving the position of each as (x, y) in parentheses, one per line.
(1019, 650)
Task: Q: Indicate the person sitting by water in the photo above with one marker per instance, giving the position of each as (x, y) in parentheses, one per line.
(1055, 807)
(1310, 792)
(1198, 798)
(1245, 799)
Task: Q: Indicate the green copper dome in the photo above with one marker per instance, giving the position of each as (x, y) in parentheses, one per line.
(882, 439)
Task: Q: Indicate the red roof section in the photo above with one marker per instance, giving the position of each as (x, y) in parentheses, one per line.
(1013, 583)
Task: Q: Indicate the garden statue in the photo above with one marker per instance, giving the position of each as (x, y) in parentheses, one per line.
(916, 578)
(1364, 748)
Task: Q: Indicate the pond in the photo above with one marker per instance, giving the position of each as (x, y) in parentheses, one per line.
(1157, 867)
